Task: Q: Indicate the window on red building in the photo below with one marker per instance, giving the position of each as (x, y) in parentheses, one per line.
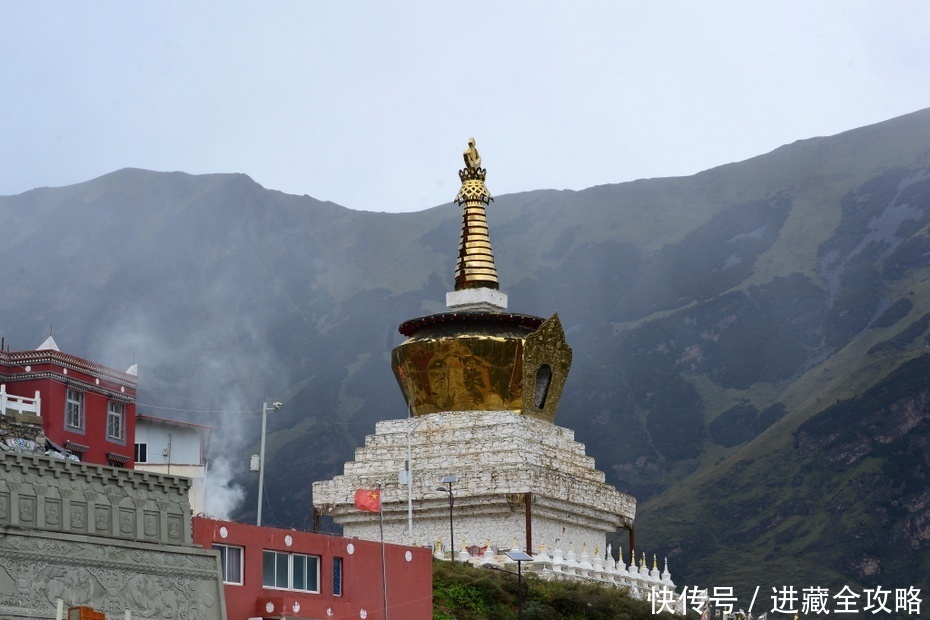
(290, 572)
(274, 569)
(116, 421)
(231, 562)
(337, 576)
(306, 573)
(74, 410)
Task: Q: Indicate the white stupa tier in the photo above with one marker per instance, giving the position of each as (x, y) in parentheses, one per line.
(513, 471)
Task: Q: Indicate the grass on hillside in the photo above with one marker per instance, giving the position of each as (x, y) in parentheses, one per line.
(464, 592)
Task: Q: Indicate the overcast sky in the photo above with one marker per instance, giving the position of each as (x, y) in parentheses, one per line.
(370, 104)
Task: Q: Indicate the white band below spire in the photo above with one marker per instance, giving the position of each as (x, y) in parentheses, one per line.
(476, 299)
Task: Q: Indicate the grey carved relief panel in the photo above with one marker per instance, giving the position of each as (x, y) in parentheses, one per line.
(27, 511)
(151, 581)
(78, 516)
(50, 494)
(53, 513)
(150, 521)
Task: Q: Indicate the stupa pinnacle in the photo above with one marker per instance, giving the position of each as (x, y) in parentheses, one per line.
(476, 284)
(482, 387)
(476, 357)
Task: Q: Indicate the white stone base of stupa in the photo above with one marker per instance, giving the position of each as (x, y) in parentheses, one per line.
(499, 457)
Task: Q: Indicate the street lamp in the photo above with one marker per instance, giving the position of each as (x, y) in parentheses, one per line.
(519, 557)
(407, 473)
(449, 480)
(261, 459)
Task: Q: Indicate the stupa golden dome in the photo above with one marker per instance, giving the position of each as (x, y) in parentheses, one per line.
(477, 357)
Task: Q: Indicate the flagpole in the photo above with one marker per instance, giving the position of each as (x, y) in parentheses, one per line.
(383, 570)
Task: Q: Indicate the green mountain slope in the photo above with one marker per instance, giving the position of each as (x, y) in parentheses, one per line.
(724, 326)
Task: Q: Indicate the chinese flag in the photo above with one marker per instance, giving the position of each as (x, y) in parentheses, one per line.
(368, 500)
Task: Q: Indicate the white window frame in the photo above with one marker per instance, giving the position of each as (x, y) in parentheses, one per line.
(224, 561)
(116, 421)
(74, 408)
(307, 560)
(145, 447)
(290, 571)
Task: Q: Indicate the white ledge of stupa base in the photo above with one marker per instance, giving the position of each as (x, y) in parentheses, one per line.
(476, 300)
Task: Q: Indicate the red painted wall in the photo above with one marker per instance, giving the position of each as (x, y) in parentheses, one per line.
(409, 582)
(47, 375)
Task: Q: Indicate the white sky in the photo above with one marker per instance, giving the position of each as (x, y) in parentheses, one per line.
(370, 104)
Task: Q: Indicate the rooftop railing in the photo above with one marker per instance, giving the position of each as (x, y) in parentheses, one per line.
(11, 404)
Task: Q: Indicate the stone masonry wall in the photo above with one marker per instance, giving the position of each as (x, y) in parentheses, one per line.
(498, 457)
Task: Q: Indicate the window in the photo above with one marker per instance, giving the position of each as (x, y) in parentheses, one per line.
(293, 572)
(116, 420)
(142, 453)
(274, 569)
(230, 562)
(306, 572)
(74, 410)
(337, 576)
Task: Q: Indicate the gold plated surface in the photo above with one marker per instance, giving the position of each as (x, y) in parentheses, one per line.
(466, 373)
(483, 365)
(475, 268)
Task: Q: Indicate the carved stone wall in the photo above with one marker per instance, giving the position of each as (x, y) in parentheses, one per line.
(64, 496)
(111, 538)
(151, 581)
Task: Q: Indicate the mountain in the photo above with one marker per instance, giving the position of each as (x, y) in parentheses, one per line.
(751, 342)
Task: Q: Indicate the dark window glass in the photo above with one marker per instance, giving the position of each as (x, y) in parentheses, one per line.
(268, 565)
(306, 573)
(337, 576)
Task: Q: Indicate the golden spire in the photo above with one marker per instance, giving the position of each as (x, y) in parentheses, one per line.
(475, 267)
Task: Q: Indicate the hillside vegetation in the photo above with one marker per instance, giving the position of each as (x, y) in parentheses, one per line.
(463, 592)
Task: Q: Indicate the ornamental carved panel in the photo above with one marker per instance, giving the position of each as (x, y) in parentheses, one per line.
(547, 359)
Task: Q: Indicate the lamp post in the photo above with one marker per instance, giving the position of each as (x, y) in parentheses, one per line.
(519, 557)
(449, 480)
(261, 459)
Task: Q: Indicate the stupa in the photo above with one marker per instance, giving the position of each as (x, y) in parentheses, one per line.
(479, 457)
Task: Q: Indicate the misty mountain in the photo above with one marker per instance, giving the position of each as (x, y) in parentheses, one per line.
(751, 342)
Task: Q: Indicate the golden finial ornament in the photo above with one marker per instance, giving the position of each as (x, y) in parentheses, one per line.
(471, 156)
(475, 267)
(655, 562)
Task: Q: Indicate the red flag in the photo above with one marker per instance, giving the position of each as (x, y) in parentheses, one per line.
(368, 500)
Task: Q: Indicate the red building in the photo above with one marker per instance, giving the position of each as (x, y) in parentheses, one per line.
(276, 573)
(84, 407)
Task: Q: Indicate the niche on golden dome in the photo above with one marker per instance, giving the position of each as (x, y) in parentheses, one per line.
(547, 359)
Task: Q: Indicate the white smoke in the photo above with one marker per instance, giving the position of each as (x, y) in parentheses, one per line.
(221, 495)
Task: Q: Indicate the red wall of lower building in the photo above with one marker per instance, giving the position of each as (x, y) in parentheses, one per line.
(409, 575)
